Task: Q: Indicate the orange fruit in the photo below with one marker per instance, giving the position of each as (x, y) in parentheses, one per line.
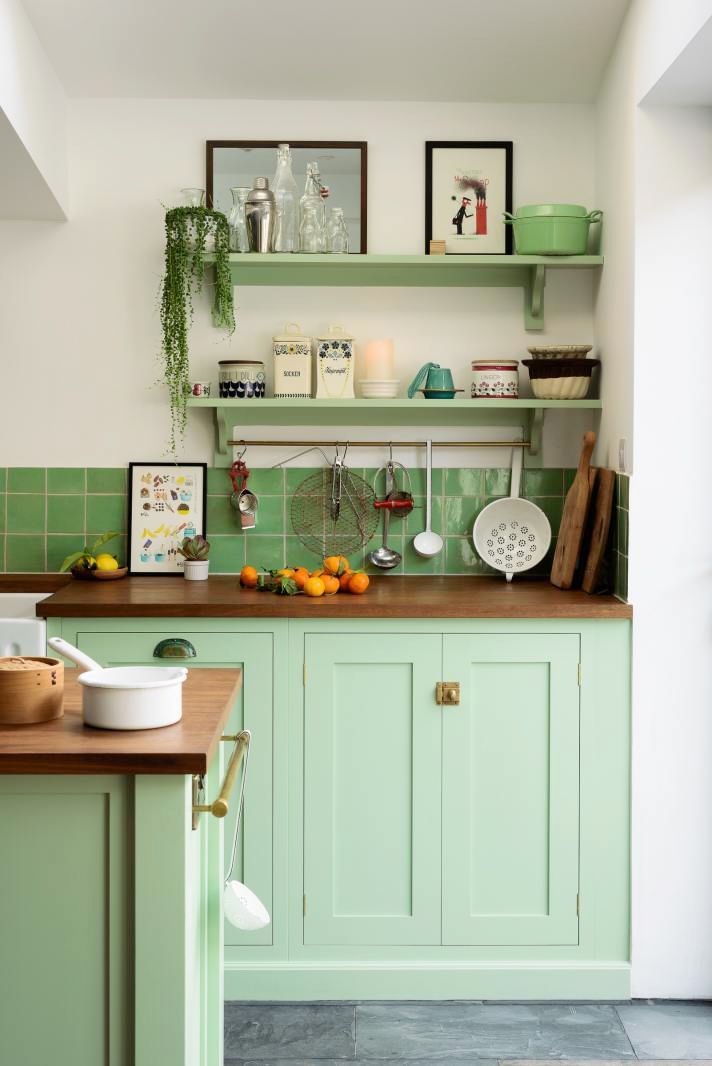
(301, 576)
(316, 573)
(285, 572)
(330, 583)
(344, 580)
(314, 586)
(248, 577)
(336, 565)
(358, 583)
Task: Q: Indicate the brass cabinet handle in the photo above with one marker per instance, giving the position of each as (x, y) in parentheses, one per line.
(221, 805)
(447, 693)
(174, 648)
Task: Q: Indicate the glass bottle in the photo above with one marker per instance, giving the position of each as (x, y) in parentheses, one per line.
(285, 191)
(236, 220)
(310, 232)
(337, 235)
(311, 200)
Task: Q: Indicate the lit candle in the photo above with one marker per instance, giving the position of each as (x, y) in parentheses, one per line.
(379, 360)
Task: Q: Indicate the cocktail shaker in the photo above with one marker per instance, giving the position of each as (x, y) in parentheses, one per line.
(260, 216)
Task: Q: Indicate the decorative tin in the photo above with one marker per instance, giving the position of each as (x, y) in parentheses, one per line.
(335, 366)
(241, 379)
(495, 379)
(292, 363)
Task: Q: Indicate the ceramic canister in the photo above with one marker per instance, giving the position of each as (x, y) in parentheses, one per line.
(335, 365)
(292, 363)
(495, 378)
(241, 379)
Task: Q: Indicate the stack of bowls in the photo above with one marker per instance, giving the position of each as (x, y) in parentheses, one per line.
(372, 389)
(560, 372)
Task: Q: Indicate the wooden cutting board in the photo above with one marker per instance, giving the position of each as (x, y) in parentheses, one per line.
(599, 526)
(573, 520)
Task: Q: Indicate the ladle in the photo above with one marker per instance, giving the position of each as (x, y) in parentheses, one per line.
(427, 544)
(384, 557)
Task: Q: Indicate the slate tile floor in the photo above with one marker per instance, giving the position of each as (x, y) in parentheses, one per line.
(468, 1034)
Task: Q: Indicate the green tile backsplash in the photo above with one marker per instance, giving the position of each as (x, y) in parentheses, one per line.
(46, 514)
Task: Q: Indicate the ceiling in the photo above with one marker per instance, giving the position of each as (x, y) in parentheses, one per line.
(483, 50)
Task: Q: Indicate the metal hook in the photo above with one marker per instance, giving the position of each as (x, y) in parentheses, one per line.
(244, 449)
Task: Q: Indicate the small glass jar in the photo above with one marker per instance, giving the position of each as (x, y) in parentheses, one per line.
(241, 379)
(236, 220)
(193, 197)
(337, 236)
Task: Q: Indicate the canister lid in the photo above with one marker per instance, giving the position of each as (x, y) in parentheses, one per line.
(506, 364)
(335, 333)
(292, 335)
(240, 362)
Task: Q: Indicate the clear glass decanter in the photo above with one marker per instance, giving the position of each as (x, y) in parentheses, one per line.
(312, 200)
(310, 231)
(236, 220)
(284, 187)
(337, 235)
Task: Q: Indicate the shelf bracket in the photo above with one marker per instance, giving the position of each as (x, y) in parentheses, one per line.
(534, 298)
(223, 431)
(536, 431)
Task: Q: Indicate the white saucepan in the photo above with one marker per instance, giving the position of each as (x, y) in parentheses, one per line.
(126, 697)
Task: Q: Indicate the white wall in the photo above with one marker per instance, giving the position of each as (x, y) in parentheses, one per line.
(654, 322)
(86, 326)
(33, 161)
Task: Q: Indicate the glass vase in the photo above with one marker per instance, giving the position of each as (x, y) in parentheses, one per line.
(236, 220)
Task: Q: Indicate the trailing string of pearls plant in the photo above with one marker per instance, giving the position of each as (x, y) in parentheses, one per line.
(190, 232)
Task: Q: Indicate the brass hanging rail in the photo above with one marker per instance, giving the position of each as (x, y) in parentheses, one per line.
(378, 443)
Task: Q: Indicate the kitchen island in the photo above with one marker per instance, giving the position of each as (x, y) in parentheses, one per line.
(110, 901)
(438, 804)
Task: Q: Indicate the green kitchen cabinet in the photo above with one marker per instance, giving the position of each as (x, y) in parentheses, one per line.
(510, 790)
(372, 790)
(408, 849)
(254, 652)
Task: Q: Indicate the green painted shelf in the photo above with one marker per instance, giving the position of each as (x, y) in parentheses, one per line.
(527, 413)
(527, 272)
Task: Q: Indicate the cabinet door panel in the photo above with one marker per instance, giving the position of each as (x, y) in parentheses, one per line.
(510, 790)
(372, 790)
(254, 710)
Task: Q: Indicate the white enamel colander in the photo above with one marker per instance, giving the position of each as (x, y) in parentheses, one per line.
(512, 534)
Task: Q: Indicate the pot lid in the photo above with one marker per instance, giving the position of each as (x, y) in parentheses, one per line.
(534, 210)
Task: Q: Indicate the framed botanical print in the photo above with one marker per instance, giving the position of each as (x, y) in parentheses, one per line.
(167, 502)
(468, 187)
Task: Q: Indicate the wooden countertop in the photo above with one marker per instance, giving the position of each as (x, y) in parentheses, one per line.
(67, 746)
(387, 597)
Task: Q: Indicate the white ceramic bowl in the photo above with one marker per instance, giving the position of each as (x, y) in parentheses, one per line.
(570, 388)
(379, 390)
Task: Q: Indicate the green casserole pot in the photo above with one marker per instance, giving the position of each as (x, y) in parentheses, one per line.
(551, 229)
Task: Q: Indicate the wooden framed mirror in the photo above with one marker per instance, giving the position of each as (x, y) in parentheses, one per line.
(343, 166)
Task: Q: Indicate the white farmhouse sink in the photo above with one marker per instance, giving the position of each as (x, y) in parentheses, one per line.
(21, 633)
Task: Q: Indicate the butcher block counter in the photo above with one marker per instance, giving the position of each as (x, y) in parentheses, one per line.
(67, 746)
(387, 597)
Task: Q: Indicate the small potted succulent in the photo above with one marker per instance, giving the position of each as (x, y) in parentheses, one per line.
(195, 551)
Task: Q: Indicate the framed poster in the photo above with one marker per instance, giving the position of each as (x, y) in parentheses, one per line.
(468, 187)
(167, 502)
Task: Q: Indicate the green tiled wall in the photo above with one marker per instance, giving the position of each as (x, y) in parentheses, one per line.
(47, 513)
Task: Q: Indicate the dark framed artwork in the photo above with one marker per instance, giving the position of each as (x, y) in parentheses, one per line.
(468, 187)
(167, 502)
(343, 166)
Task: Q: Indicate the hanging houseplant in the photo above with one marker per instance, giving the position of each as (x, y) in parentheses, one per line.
(188, 231)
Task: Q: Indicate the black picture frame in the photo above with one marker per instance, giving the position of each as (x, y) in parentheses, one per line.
(198, 523)
(361, 146)
(507, 147)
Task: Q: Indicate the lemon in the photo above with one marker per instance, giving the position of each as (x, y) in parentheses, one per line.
(106, 562)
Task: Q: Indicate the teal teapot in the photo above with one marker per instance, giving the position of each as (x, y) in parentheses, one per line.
(434, 381)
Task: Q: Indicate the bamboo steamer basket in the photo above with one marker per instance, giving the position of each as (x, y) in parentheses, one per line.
(31, 694)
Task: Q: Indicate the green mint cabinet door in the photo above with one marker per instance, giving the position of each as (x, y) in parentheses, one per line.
(253, 652)
(511, 790)
(372, 789)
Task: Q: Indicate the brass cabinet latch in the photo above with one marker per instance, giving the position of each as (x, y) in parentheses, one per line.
(447, 693)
